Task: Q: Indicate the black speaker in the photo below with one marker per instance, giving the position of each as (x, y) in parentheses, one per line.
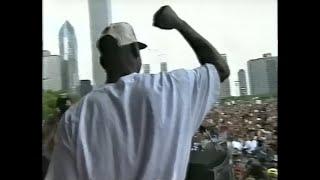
(199, 172)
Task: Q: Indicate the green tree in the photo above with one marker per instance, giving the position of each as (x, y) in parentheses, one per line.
(49, 99)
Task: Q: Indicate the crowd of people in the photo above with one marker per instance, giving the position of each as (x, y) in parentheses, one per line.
(250, 128)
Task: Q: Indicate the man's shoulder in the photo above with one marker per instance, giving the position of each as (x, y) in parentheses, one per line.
(207, 67)
(202, 68)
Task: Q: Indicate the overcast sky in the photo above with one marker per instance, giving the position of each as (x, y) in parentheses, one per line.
(242, 29)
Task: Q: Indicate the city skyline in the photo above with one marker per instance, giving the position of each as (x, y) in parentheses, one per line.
(68, 49)
(99, 18)
(53, 72)
(242, 29)
(146, 68)
(163, 67)
(263, 74)
(243, 87)
(225, 90)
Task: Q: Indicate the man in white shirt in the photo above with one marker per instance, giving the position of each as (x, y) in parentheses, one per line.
(138, 126)
(236, 145)
(250, 145)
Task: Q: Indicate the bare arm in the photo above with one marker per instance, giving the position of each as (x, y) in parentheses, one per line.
(166, 18)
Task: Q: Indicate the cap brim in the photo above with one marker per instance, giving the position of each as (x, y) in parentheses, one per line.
(142, 45)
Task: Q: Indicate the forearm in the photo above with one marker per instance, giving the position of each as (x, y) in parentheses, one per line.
(166, 18)
(205, 52)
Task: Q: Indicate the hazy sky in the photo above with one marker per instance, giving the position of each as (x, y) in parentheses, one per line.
(242, 29)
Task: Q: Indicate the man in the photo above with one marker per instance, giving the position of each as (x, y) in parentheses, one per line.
(256, 170)
(236, 145)
(138, 126)
(62, 104)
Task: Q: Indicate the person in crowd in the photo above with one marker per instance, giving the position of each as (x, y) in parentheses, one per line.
(63, 104)
(247, 145)
(49, 138)
(202, 129)
(214, 134)
(272, 173)
(237, 145)
(138, 126)
(47, 142)
(256, 170)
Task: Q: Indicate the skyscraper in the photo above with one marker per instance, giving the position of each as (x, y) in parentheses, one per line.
(242, 82)
(45, 53)
(225, 86)
(146, 68)
(69, 52)
(163, 67)
(263, 74)
(100, 17)
(52, 72)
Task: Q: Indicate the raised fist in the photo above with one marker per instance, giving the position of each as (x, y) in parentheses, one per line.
(166, 18)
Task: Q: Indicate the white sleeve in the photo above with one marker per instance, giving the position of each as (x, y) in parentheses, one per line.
(202, 90)
(63, 165)
(205, 91)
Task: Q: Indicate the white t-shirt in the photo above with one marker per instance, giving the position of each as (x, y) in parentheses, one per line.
(250, 145)
(139, 128)
(236, 145)
(254, 145)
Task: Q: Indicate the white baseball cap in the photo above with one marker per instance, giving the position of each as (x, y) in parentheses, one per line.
(122, 32)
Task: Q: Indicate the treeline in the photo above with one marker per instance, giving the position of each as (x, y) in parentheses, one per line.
(49, 102)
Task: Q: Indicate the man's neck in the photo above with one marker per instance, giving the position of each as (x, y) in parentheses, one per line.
(112, 80)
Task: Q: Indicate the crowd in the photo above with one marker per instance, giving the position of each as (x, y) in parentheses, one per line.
(250, 128)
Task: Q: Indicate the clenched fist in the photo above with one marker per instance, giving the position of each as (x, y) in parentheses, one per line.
(166, 18)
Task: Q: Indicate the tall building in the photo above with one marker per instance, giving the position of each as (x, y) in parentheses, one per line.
(45, 53)
(85, 87)
(146, 68)
(242, 82)
(263, 74)
(163, 67)
(225, 86)
(100, 17)
(69, 52)
(52, 72)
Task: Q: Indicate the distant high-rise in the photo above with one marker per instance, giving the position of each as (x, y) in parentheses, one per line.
(52, 72)
(69, 52)
(267, 55)
(242, 82)
(163, 67)
(45, 53)
(263, 74)
(146, 68)
(100, 18)
(85, 87)
(225, 86)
